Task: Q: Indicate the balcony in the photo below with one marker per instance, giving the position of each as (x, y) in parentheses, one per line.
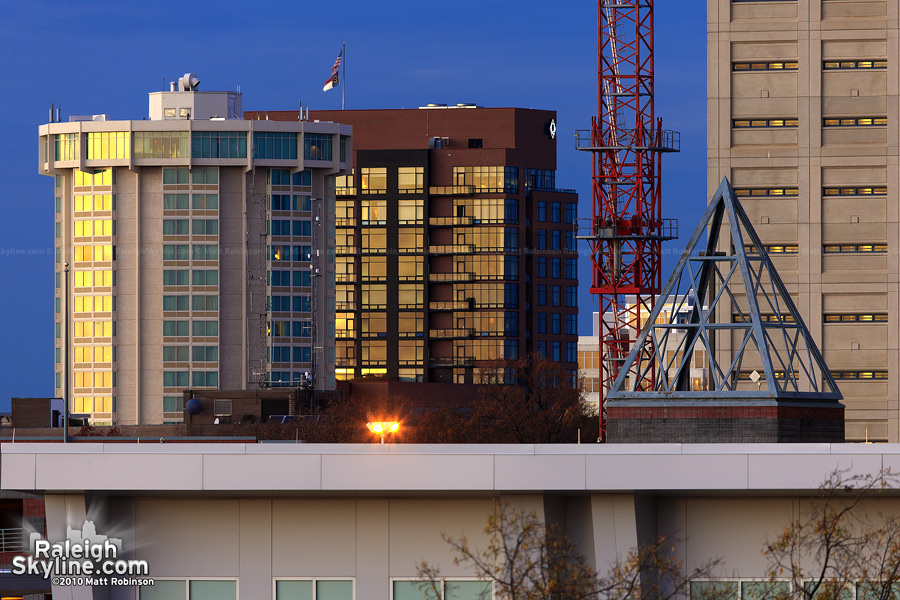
(450, 277)
(452, 334)
(450, 221)
(452, 249)
(452, 361)
(451, 190)
(451, 305)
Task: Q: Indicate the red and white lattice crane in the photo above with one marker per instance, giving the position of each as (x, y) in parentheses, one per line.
(626, 229)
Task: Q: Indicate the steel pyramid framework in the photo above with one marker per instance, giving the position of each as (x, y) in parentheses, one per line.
(772, 354)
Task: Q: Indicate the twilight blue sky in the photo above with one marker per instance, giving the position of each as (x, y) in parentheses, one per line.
(104, 56)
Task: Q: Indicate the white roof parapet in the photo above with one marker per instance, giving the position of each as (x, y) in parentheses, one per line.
(329, 469)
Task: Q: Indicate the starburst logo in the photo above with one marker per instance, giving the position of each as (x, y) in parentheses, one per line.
(83, 558)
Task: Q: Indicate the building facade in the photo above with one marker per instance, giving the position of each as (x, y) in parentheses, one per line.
(802, 119)
(192, 251)
(589, 351)
(453, 245)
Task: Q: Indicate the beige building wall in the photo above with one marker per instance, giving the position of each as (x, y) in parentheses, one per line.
(368, 514)
(803, 120)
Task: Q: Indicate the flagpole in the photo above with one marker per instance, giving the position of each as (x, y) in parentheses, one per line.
(343, 71)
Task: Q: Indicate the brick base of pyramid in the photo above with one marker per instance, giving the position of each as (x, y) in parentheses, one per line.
(711, 422)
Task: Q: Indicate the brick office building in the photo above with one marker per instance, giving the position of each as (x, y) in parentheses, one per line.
(453, 245)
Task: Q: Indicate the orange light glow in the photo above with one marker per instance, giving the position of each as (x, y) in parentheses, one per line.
(382, 427)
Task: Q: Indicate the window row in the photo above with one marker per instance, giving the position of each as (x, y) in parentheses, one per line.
(88, 329)
(766, 192)
(828, 65)
(218, 144)
(826, 249)
(481, 211)
(736, 318)
(488, 179)
(855, 64)
(559, 324)
(298, 278)
(287, 378)
(289, 304)
(82, 178)
(856, 318)
(95, 354)
(95, 279)
(555, 270)
(190, 277)
(90, 404)
(279, 145)
(775, 249)
(301, 227)
(556, 211)
(290, 253)
(558, 240)
(854, 248)
(285, 177)
(317, 146)
(194, 353)
(302, 329)
(86, 304)
(855, 122)
(844, 375)
(290, 202)
(197, 226)
(556, 351)
(196, 302)
(89, 202)
(96, 252)
(183, 379)
(555, 295)
(765, 66)
(188, 251)
(199, 201)
(186, 328)
(108, 145)
(855, 191)
(743, 123)
(98, 379)
(287, 354)
(196, 175)
(540, 179)
(95, 227)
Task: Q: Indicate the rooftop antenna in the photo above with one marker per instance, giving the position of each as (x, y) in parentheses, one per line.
(51, 112)
(58, 108)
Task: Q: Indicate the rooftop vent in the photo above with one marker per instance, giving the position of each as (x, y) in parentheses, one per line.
(188, 83)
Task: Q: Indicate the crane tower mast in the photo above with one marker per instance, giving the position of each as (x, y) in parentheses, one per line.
(626, 230)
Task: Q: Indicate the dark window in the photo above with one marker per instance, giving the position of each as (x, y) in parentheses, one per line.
(476, 143)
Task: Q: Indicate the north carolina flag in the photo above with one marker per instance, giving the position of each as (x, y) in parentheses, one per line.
(334, 81)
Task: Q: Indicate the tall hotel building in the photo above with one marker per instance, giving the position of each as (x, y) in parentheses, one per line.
(454, 246)
(199, 252)
(803, 119)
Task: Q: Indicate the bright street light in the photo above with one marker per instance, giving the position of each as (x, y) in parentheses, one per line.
(382, 427)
